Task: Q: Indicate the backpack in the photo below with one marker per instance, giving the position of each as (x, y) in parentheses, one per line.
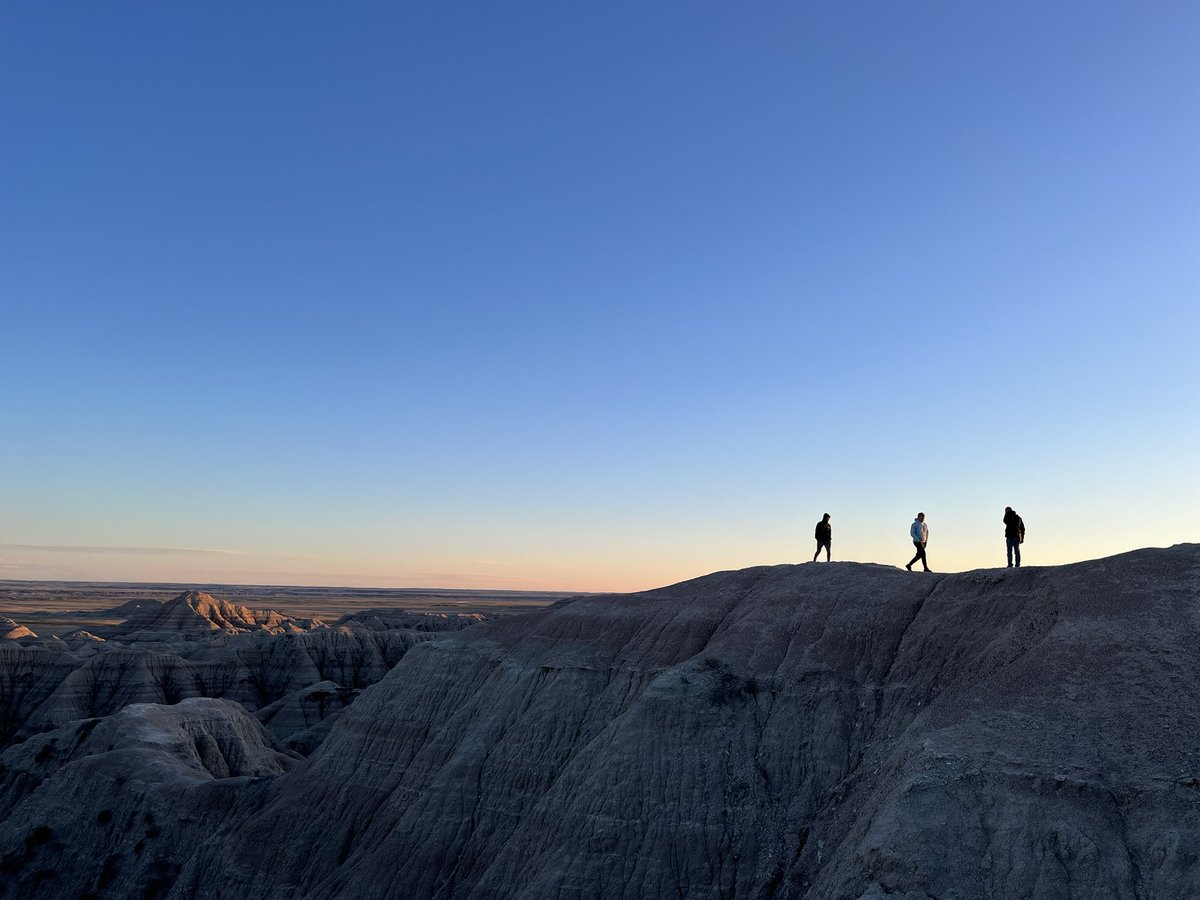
(1021, 528)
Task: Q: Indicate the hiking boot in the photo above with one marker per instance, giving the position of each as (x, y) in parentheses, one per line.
(909, 567)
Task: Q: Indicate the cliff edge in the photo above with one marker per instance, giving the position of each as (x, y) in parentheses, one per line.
(814, 731)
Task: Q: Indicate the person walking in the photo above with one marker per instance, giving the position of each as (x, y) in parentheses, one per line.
(919, 532)
(824, 537)
(1014, 535)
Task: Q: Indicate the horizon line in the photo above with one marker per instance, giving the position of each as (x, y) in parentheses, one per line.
(475, 590)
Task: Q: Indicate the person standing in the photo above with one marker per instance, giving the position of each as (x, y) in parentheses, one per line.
(824, 536)
(919, 532)
(1014, 535)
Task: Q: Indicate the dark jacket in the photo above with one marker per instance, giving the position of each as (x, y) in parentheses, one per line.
(1013, 526)
(824, 531)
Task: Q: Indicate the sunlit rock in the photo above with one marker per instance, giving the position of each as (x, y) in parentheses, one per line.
(11, 631)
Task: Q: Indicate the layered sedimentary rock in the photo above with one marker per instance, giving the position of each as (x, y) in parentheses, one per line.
(195, 612)
(105, 682)
(401, 619)
(255, 669)
(819, 731)
(11, 631)
(28, 678)
(93, 808)
(79, 635)
(197, 645)
(304, 710)
(132, 607)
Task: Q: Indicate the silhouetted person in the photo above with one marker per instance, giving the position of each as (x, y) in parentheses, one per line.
(1014, 535)
(824, 537)
(919, 532)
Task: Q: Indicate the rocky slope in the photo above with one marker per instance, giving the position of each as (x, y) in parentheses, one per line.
(302, 718)
(132, 607)
(818, 731)
(195, 612)
(391, 619)
(12, 631)
(199, 646)
(96, 804)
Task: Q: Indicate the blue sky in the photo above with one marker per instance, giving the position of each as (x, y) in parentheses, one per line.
(592, 296)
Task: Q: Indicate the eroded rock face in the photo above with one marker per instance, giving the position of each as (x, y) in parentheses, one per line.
(108, 807)
(306, 708)
(808, 731)
(256, 669)
(105, 682)
(28, 677)
(195, 612)
(79, 635)
(11, 631)
(394, 619)
(820, 731)
(197, 646)
(133, 607)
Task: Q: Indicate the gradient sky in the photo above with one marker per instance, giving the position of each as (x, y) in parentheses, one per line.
(592, 296)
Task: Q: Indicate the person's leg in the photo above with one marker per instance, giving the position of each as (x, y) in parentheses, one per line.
(828, 550)
(1008, 548)
(818, 553)
(920, 554)
(924, 558)
(1017, 550)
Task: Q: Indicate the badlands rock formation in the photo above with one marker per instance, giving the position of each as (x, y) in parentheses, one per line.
(306, 707)
(11, 631)
(195, 612)
(817, 731)
(390, 619)
(28, 676)
(100, 794)
(133, 607)
(199, 646)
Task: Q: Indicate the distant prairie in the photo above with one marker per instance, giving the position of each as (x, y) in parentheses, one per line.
(57, 607)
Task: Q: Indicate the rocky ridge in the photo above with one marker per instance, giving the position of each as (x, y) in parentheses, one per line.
(817, 731)
(391, 619)
(133, 607)
(132, 772)
(195, 612)
(199, 646)
(12, 631)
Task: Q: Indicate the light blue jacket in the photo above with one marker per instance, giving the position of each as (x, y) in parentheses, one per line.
(919, 531)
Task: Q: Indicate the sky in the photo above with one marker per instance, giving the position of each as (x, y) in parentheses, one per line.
(592, 296)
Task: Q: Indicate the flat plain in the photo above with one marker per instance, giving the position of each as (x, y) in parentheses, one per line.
(57, 607)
